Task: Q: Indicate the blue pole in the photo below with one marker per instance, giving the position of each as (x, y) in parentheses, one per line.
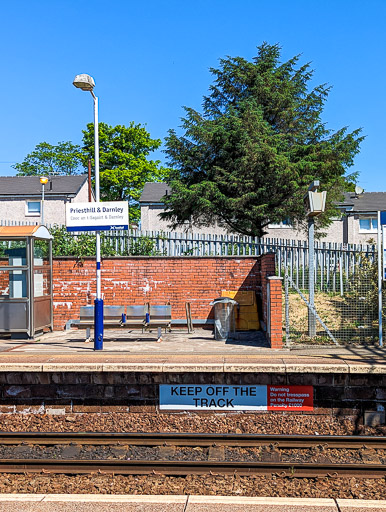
(98, 320)
(98, 324)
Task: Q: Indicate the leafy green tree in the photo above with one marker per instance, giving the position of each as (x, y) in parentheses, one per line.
(124, 163)
(249, 157)
(46, 159)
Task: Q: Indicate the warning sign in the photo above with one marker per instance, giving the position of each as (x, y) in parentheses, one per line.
(290, 398)
(235, 397)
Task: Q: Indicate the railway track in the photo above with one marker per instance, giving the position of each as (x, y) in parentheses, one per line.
(371, 465)
(190, 439)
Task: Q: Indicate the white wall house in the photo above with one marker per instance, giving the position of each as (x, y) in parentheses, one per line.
(21, 198)
(151, 206)
(358, 223)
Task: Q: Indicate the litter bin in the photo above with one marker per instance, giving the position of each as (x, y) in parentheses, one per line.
(224, 318)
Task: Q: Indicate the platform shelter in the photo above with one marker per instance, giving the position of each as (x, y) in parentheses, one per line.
(25, 280)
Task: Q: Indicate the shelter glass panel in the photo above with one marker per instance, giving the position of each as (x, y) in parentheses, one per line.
(13, 253)
(41, 252)
(42, 282)
(13, 284)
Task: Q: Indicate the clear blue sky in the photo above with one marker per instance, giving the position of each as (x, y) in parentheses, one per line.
(151, 58)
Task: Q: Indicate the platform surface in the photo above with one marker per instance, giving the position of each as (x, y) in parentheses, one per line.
(126, 350)
(131, 503)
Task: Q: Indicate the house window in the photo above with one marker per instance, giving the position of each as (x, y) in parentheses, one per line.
(33, 208)
(286, 223)
(368, 225)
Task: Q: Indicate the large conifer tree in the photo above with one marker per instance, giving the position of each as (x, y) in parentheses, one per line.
(249, 157)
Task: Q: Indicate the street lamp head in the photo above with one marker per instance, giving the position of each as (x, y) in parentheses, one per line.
(43, 180)
(84, 82)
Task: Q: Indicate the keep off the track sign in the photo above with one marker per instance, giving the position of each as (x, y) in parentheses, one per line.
(235, 398)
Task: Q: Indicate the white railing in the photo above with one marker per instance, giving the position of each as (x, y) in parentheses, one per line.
(334, 262)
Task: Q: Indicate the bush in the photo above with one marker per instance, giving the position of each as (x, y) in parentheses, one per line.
(79, 246)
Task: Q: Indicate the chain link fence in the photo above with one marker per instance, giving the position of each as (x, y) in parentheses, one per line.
(345, 302)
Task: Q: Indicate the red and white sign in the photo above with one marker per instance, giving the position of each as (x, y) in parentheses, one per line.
(290, 398)
(235, 397)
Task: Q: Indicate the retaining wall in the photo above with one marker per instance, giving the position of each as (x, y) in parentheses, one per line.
(335, 394)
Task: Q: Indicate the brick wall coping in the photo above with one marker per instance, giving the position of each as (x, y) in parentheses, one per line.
(275, 277)
(283, 367)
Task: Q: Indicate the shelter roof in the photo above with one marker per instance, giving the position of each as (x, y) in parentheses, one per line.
(24, 231)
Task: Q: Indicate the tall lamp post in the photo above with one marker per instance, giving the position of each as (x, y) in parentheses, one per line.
(315, 203)
(43, 181)
(86, 83)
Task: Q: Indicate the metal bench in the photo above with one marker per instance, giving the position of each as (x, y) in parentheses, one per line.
(135, 316)
(159, 316)
(144, 317)
(112, 317)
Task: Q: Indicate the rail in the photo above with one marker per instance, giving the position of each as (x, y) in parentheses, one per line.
(191, 439)
(370, 463)
(137, 467)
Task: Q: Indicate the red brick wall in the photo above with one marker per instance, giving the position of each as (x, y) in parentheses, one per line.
(275, 334)
(157, 280)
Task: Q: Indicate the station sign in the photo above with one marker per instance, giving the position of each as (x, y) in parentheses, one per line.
(235, 398)
(99, 216)
(384, 254)
(383, 223)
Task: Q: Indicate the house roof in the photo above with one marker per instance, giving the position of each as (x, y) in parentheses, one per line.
(30, 185)
(154, 192)
(366, 202)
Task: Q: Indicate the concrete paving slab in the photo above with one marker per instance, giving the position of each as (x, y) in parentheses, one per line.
(361, 505)
(192, 367)
(255, 367)
(46, 506)
(258, 504)
(116, 498)
(21, 367)
(310, 366)
(25, 498)
(91, 503)
(132, 367)
(72, 367)
(367, 367)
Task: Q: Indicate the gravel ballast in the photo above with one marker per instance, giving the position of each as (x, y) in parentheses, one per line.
(210, 485)
(272, 423)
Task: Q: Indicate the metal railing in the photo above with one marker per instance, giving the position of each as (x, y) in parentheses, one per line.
(333, 263)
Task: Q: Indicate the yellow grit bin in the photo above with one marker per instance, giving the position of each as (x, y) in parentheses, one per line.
(247, 317)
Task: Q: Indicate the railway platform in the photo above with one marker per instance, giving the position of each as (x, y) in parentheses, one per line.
(180, 348)
(135, 503)
(59, 371)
